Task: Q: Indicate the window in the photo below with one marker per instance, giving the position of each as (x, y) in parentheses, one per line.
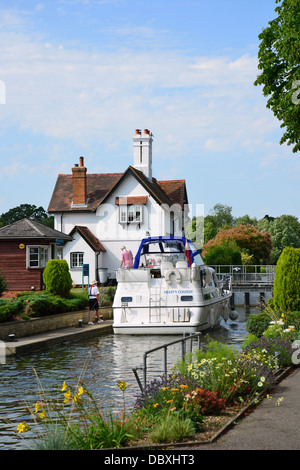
(76, 260)
(186, 298)
(130, 214)
(37, 256)
(126, 299)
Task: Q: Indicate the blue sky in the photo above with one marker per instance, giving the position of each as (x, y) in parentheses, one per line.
(79, 76)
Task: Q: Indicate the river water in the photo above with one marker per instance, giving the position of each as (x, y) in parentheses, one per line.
(103, 360)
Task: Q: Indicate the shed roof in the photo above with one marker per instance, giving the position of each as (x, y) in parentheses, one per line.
(31, 229)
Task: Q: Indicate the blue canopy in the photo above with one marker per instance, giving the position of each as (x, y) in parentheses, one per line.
(179, 242)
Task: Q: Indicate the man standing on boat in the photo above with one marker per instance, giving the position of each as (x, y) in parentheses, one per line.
(126, 258)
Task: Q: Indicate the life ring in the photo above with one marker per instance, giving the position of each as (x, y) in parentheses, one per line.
(170, 272)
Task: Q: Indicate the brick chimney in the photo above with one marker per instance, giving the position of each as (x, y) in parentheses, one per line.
(79, 183)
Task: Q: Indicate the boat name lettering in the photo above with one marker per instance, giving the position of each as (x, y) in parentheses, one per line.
(175, 291)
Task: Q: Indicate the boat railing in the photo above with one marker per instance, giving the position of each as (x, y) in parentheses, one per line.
(183, 341)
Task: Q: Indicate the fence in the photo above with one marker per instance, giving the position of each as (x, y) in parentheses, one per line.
(243, 274)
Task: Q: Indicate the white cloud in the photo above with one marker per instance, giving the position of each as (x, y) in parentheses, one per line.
(203, 103)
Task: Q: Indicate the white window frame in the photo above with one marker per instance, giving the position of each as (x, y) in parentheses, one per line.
(131, 214)
(41, 256)
(79, 262)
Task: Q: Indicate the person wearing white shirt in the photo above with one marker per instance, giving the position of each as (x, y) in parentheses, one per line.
(93, 302)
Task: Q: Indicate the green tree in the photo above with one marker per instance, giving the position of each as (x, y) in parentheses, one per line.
(284, 230)
(279, 59)
(222, 216)
(286, 295)
(26, 211)
(249, 240)
(245, 220)
(227, 253)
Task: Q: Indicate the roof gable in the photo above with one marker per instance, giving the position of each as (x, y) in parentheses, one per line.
(101, 186)
(87, 235)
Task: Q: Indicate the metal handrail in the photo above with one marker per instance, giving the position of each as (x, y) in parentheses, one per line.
(244, 274)
(165, 348)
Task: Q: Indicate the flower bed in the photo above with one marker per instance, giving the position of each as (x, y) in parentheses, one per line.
(202, 395)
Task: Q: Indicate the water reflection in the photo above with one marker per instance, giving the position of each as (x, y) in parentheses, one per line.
(104, 360)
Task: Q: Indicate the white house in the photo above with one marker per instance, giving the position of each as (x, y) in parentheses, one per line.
(104, 211)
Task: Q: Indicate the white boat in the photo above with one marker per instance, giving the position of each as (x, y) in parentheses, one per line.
(169, 291)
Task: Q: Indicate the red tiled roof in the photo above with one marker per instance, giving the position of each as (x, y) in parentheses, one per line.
(101, 186)
(88, 237)
(130, 200)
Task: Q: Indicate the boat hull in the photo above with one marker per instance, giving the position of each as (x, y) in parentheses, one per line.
(173, 320)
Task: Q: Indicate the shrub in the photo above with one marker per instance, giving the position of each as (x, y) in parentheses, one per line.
(205, 402)
(3, 284)
(57, 277)
(9, 309)
(44, 303)
(227, 253)
(257, 323)
(165, 391)
(269, 347)
(287, 280)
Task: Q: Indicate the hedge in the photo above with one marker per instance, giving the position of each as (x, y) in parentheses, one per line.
(9, 309)
(39, 304)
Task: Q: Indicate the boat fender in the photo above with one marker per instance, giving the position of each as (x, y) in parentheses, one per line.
(171, 272)
(233, 315)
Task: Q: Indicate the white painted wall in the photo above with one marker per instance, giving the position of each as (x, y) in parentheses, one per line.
(104, 224)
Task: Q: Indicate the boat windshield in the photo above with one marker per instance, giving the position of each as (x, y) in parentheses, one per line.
(154, 253)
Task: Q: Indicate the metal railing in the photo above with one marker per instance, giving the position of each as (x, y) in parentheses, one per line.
(247, 274)
(165, 346)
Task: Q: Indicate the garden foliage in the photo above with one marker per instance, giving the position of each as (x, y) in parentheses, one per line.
(38, 304)
(3, 284)
(57, 277)
(170, 408)
(248, 239)
(286, 295)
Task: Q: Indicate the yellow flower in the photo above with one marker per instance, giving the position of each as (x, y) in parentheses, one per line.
(122, 385)
(67, 396)
(22, 427)
(155, 405)
(64, 387)
(174, 389)
(183, 386)
(38, 406)
(165, 388)
(76, 398)
(81, 391)
(42, 414)
(169, 401)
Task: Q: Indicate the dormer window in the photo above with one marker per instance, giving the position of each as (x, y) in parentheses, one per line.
(131, 209)
(131, 214)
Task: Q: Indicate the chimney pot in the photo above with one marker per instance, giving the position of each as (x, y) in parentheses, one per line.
(146, 131)
(138, 131)
(81, 161)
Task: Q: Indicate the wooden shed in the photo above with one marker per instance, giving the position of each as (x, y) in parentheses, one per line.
(25, 248)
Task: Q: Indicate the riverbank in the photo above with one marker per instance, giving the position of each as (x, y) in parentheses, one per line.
(48, 339)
